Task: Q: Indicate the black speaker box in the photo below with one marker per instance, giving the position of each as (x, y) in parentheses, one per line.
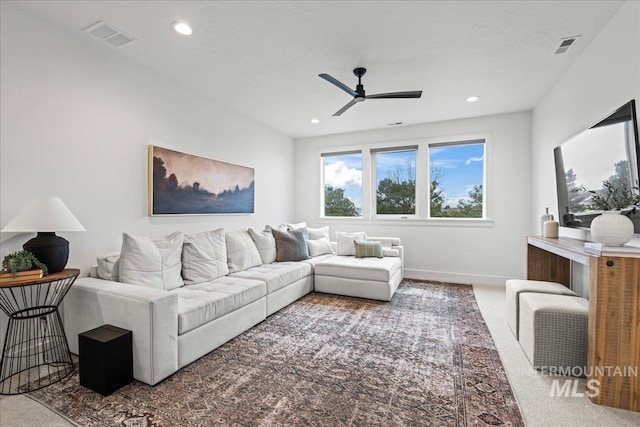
(106, 359)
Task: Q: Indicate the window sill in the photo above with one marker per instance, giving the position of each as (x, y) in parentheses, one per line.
(432, 222)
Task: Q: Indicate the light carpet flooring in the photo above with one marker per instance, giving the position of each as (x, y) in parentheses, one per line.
(532, 389)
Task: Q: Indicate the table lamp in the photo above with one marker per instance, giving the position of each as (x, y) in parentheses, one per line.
(45, 216)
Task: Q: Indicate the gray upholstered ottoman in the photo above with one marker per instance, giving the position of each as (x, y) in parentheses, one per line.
(553, 331)
(516, 287)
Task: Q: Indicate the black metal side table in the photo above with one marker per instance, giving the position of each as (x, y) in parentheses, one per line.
(35, 353)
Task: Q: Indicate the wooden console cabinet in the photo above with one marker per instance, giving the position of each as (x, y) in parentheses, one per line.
(613, 357)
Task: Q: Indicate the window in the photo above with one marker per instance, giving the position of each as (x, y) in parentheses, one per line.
(456, 180)
(395, 182)
(342, 182)
(416, 180)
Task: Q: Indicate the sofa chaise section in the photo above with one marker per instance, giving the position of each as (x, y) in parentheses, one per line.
(372, 278)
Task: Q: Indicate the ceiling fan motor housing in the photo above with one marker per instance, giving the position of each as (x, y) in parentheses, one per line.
(359, 72)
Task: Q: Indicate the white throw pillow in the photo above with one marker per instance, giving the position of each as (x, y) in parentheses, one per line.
(318, 233)
(319, 247)
(266, 244)
(242, 253)
(154, 262)
(345, 242)
(204, 257)
(108, 266)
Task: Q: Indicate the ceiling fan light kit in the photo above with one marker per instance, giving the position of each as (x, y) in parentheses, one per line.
(359, 94)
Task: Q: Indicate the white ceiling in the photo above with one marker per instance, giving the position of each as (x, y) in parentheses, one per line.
(262, 58)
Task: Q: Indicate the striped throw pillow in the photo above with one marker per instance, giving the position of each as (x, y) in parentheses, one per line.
(368, 249)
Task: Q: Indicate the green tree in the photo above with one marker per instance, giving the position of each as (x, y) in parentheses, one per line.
(436, 194)
(396, 197)
(471, 208)
(578, 194)
(616, 192)
(336, 204)
(396, 194)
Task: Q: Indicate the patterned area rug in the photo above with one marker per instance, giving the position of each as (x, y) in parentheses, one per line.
(426, 358)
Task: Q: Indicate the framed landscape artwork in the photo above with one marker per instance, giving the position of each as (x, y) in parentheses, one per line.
(184, 184)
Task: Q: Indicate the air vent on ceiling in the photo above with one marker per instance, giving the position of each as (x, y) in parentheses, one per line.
(565, 44)
(394, 124)
(108, 33)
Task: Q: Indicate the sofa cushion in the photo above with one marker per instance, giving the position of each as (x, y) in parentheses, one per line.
(242, 253)
(348, 267)
(204, 257)
(277, 275)
(390, 252)
(291, 245)
(386, 242)
(368, 249)
(108, 266)
(155, 262)
(295, 226)
(204, 302)
(281, 227)
(266, 244)
(319, 247)
(318, 233)
(345, 242)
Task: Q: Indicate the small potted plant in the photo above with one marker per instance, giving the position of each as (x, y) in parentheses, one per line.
(22, 261)
(611, 228)
(613, 198)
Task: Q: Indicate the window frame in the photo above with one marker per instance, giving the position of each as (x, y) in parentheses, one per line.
(474, 141)
(322, 180)
(421, 217)
(374, 181)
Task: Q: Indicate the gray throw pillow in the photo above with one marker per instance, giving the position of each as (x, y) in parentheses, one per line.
(291, 245)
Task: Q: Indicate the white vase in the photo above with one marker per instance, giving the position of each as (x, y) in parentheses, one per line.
(611, 228)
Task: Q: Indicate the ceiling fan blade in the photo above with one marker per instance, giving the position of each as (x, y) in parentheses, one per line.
(345, 108)
(338, 83)
(390, 95)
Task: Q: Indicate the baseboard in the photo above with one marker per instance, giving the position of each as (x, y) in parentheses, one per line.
(462, 278)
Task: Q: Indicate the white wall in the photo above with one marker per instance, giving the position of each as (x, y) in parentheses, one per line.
(76, 120)
(604, 77)
(487, 252)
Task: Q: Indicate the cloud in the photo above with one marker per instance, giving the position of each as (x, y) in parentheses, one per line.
(474, 159)
(339, 175)
(453, 200)
(445, 163)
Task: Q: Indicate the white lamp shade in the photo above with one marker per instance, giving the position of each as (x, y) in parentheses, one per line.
(47, 214)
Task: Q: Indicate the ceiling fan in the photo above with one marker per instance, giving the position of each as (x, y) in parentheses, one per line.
(359, 94)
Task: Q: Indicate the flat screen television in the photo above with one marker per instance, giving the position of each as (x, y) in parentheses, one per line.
(602, 162)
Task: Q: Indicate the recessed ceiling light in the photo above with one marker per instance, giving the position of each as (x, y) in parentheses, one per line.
(472, 98)
(315, 121)
(182, 28)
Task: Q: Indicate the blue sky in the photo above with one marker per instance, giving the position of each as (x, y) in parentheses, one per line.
(460, 167)
(388, 162)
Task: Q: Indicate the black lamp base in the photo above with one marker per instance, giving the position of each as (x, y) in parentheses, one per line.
(51, 250)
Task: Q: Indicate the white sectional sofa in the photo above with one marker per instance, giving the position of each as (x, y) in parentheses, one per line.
(176, 320)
